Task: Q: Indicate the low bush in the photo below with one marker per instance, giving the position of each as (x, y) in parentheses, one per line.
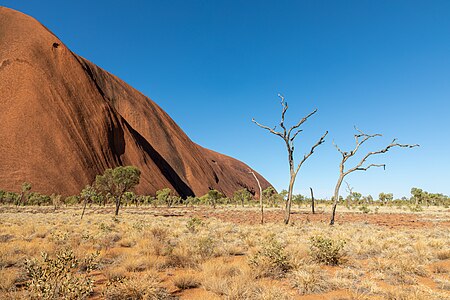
(60, 277)
(326, 251)
(270, 260)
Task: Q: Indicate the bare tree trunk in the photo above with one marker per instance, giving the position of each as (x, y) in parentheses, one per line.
(360, 138)
(289, 135)
(336, 199)
(287, 212)
(261, 204)
(118, 204)
(84, 208)
(312, 201)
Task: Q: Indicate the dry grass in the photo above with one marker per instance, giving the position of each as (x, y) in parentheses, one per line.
(142, 256)
(186, 281)
(311, 279)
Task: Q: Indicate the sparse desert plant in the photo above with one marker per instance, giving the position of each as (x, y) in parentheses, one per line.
(412, 293)
(229, 281)
(415, 208)
(164, 197)
(364, 209)
(219, 254)
(241, 196)
(347, 278)
(270, 260)
(52, 278)
(136, 263)
(439, 269)
(271, 293)
(186, 281)
(326, 251)
(399, 270)
(442, 283)
(136, 287)
(204, 247)
(213, 197)
(9, 276)
(311, 279)
(443, 254)
(193, 224)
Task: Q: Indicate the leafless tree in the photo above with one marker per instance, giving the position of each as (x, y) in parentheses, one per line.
(349, 190)
(289, 135)
(260, 196)
(312, 201)
(360, 138)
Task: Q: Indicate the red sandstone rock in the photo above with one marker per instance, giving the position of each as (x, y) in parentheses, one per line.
(63, 120)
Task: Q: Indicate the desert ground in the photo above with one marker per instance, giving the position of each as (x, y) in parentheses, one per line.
(223, 253)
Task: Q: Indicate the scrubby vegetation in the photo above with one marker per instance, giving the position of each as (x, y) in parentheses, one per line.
(143, 254)
(165, 247)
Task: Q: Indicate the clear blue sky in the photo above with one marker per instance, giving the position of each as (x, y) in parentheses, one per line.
(213, 65)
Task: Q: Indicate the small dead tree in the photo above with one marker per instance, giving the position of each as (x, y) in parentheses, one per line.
(360, 138)
(312, 201)
(289, 135)
(260, 196)
(349, 190)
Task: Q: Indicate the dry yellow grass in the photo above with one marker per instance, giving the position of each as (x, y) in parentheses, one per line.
(142, 256)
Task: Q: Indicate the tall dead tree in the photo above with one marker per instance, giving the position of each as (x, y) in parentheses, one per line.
(312, 201)
(260, 196)
(360, 138)
(289, 135)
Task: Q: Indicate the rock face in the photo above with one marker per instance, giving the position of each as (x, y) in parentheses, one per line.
(63, 120)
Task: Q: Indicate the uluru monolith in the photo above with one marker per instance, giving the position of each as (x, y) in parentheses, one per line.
(63, 120)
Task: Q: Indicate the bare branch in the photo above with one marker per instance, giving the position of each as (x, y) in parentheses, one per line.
(272, 130)
(344, 154)
(359, 143)
(306, 156)
(301, 122)
(295, 134)
(360, 138)
(359, 167)
(349, 188)
(285, 134)
(371, 165)
(260, 195)
(283, 112)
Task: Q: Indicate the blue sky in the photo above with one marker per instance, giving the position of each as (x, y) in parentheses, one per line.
(213, 65)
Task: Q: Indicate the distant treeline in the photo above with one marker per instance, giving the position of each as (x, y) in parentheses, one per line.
(243, 197)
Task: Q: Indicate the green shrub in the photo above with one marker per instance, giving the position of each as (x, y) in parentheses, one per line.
(39, 199)
(416, 208)
(193, 224)
(9, 197)
(326, 250)
(270, 260)
(205, 247)
(72, 200)
(364, 209)
(136, 287)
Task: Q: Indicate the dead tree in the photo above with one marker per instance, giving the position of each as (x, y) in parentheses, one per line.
(260, 196)
(289, 135)
(360, 138)
(350, 193)
(312, 201)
